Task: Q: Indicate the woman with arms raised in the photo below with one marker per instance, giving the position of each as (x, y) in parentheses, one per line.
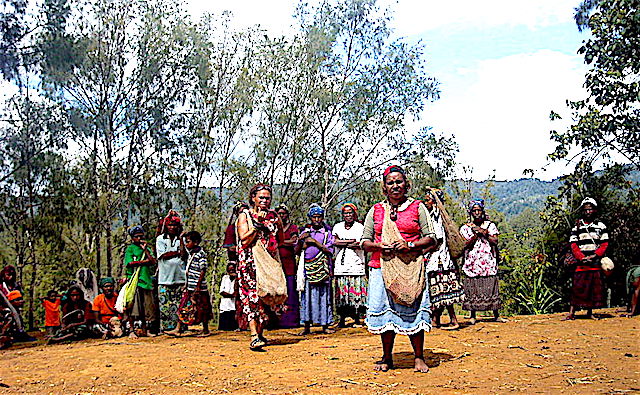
(396, 233)
(259, 236)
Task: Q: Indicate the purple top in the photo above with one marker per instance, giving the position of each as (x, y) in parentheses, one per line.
(319, 235)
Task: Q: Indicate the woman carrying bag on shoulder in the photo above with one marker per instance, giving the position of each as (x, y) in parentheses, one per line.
(261, 280)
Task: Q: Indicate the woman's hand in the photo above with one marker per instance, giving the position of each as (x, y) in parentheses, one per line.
(400, 246)
(326, 251)
(480, 231)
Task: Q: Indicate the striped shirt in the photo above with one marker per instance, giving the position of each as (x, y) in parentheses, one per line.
(589, 236)
(196, 264)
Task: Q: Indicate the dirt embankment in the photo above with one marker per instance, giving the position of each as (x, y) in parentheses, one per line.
(532, 354)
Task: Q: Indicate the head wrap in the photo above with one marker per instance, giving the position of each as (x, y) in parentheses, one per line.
(106, 280)
(476, 202)
(136, 230)
(315, 209)
(589, 200)
(393, 169)
(353, 207)
(258, 187)
(13, 295)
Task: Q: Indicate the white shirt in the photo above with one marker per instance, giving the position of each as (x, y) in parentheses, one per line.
(227, 285)
(170, 271)
(349, 262)
(441, 256)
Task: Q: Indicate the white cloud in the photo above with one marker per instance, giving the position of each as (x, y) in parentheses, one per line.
(410, 16)
(501, 118)
(414, 17)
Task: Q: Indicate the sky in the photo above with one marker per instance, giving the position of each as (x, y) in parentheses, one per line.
(503, 65)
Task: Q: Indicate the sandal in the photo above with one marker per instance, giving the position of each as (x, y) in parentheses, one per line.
(451, 327)
(570, 317)
(256, 344)
(472, 321)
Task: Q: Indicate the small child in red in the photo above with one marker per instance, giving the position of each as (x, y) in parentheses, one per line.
(51, 306)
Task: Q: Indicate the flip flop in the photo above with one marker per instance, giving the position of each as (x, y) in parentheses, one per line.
(256, 344)
(451, 327)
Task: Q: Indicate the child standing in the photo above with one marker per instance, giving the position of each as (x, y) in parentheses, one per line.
(227, 320)
(196, 283)
(51, 306)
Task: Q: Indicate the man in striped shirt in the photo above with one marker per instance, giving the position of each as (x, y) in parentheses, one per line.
(589, 241)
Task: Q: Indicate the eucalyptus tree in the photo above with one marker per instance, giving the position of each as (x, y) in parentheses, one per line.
(338, 101)
(129, 66)
(33, 210)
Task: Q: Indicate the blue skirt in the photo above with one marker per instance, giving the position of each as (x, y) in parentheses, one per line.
(383, 314)
(315, 303)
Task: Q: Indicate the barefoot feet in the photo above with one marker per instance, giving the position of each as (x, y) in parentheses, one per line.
(420, 366)
(383, 365)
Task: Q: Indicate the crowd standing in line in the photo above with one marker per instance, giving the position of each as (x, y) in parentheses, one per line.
(404, 285)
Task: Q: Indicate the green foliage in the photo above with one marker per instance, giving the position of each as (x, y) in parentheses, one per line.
(607, 123)
(139, 110)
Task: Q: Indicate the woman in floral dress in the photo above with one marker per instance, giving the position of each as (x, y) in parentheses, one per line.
(481, 263)
(259, 224)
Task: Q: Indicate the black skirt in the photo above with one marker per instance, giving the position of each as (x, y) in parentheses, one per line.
(481, 293)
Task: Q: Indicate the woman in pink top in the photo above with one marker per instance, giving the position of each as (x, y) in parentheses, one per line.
(398, 228)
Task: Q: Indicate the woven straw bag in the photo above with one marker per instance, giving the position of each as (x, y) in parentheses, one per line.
(404, 274)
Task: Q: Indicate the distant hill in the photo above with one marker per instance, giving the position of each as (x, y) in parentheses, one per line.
(513, 197)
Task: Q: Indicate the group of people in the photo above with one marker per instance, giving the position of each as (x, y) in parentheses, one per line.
(397, 269)
(404, 285)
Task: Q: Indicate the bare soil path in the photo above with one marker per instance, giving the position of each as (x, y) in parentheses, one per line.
(533, 354)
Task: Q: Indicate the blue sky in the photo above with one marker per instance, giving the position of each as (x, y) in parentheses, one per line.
(503, 66)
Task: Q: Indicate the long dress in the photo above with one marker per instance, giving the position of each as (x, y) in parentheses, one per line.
(445, 287)
(316, 299)
(481, 271)
(588, 288)
(350, 275)
(251, 305)
(383, 313)
(291, 317)
(171, 280)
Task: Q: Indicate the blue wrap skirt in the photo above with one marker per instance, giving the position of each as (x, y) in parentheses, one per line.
(383, 314)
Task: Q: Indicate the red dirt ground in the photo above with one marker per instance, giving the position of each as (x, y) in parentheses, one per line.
(527, 354)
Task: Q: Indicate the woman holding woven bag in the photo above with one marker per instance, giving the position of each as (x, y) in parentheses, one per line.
(397, 231)
(261, 280)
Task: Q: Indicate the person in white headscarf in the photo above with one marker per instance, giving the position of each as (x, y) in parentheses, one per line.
(86, 280)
